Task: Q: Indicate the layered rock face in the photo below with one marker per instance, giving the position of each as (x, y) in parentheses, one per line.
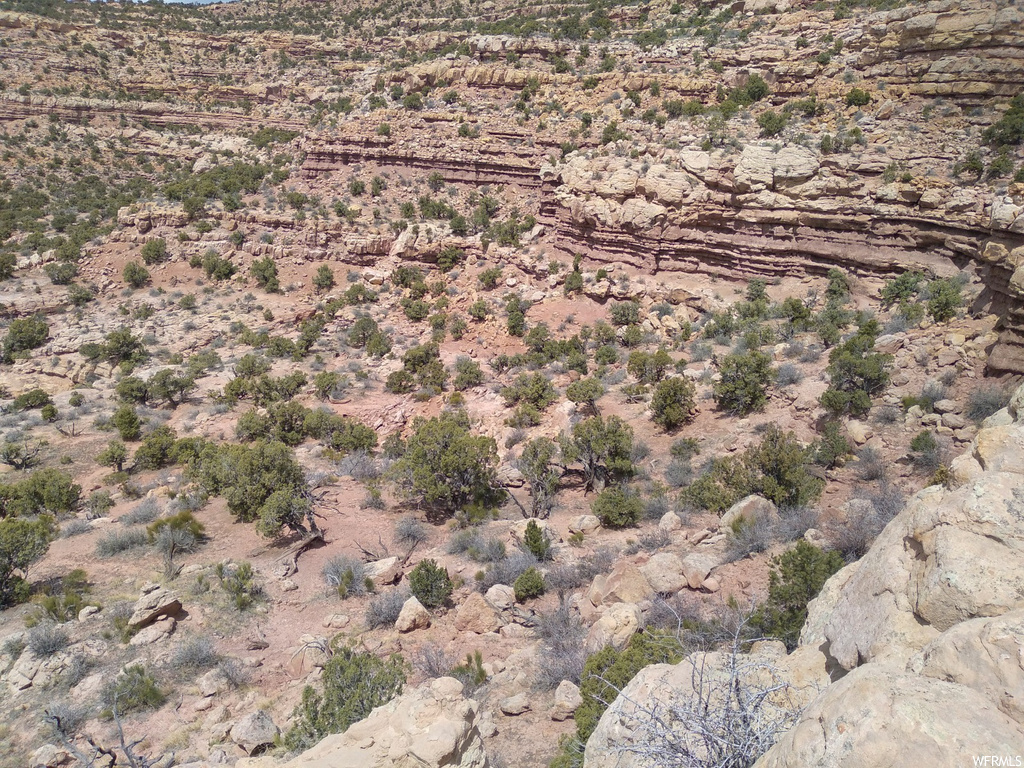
(923, 637)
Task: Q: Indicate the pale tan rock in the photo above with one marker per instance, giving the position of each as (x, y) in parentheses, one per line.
(159, 630)
(515, 705)
(385, 571)
(750, 508)
(948, 557)
(876, 713)
(478, 616)
(617, 624)
(312, 653)
(412, 616)
(152, 605)
(255, 732)
(697, 566)
(585, 524)
(432, 726)
(984, 654)
(625, 584)
(670, 521)
(50, 756)
(567, 700)
(501, 596)
(664, 572)
(663, 686)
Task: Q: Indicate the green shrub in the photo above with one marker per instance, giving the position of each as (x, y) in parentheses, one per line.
(857, 97)
(264, 272)
(33, 398)
(354, 684)
(1009, 129)
(944, 299)
(23, 334)
(672, 402)
(743, 386)
(772, 123)
(22, 542)
(445, 467)
(133, 690)
(135, 274)
(536, 543)
(528, 585)
(796, 578)
(127, 423)
(240, 583)
(618, 507)
(154, 251)
(430, 584)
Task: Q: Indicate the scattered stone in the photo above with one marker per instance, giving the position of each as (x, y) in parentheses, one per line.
(664, 572)
(159, 630)
(585, 524)
(616, 625)
(153, 604)
(515, 705)
(433, 726)
(255, 732)
(336, 621)
(501, 596)
(567, 700)
(750, 508)
(670, 521)
(412, 616)
(478, 616)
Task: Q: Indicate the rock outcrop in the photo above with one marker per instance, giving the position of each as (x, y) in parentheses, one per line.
(933, 614)
(429, 727)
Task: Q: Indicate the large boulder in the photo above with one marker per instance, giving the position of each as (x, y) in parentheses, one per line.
(664, 572)
(681, 693)
(751, 508)
(255, 732)
(478, 616)
(428, 727)
(948, 557)
(412, 616)
(567, 700)
(625, 584)
(877, 715)
(617, 624)
(984, 654)
(152, 605)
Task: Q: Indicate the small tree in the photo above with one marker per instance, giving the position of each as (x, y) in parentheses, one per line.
(529, 584)
(536, 543)
(170, 386)
(445, 466)
(743, 386)
(323, 280)
(154, 251)
(672, 403)
(114, 455)
(135, 274)
(796, 578)
(23, 334)
(22, 542)
(537, 465)
(585, 392)
(127, 423)
(354, 684)
(618, 507)
(430, 584)
(604, 448)
(944, 299)
(264, 272)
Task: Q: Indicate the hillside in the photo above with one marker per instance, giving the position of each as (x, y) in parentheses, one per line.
(307, 304)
